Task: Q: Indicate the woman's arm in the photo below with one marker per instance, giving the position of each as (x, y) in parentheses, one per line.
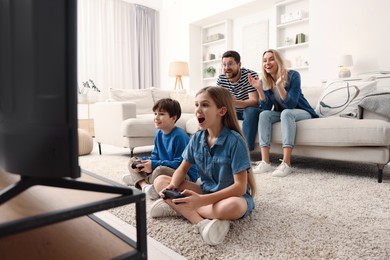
(293, 90)
(256, 83)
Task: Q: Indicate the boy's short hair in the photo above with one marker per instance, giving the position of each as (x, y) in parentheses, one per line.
(169, 105)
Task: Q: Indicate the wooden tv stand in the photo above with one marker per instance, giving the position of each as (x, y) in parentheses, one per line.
(46, 222)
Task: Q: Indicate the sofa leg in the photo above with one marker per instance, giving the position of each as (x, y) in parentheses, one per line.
(100, 148)
(380, 172)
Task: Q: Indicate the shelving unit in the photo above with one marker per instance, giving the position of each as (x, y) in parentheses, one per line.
(215, 39)
(292, 19)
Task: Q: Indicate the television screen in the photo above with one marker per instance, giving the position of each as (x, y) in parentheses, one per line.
(38, 88)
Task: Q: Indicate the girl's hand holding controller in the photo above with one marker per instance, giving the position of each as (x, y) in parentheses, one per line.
(173, 194)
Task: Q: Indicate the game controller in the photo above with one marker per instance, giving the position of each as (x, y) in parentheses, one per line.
(134, 165)
(173, 194)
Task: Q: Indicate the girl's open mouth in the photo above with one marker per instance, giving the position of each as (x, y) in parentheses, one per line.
(201, 120)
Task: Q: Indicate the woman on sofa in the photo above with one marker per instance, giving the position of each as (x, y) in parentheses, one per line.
(282, 100)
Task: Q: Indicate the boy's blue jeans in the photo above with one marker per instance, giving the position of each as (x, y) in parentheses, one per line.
(250, 118)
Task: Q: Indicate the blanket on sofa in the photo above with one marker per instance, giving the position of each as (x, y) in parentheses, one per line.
(378, 102)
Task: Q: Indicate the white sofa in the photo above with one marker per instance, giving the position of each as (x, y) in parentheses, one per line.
(124, 123)
(126, 119)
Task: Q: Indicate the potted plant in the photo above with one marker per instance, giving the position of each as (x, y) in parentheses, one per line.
(87, 87)
(210, 71)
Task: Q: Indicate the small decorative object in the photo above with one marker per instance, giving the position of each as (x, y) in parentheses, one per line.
(211, 56)
(287, 40)
(87, 86)
(214, 37)
(210, 71)
(300, 38)
(292, 16)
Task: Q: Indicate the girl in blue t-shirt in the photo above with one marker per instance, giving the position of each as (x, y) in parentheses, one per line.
(220, 152)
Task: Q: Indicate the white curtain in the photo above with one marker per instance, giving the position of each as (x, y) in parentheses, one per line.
(117, 44)
(148, 40)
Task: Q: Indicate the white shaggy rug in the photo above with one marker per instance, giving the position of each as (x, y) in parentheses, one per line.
(324, 210)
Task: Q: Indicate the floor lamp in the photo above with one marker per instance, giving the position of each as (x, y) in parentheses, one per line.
(178, 69)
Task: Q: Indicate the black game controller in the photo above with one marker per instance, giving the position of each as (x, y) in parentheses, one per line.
(134, 165)
(173, 194)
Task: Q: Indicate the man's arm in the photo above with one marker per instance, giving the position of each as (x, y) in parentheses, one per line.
(252, 101)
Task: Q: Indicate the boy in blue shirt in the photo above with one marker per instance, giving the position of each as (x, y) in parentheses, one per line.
(169, 144)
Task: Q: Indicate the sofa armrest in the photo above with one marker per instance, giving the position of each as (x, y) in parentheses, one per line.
(108, 117)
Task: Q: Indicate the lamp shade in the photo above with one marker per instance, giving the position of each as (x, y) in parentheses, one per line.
(346, 61)
(178, 68)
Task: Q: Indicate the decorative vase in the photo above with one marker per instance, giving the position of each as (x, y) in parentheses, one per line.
(83, 97)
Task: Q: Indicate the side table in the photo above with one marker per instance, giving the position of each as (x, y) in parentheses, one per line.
(86, 123)
(51, 221)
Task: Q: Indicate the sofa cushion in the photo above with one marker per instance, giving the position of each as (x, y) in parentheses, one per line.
(143, 125)
(141, 97)
(312, 94)
(192, 126)
(187, 102)
(160, 94)
(342, 97)
(338, 131)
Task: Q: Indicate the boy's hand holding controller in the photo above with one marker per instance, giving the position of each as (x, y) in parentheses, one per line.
(144, 166)
(137, 165)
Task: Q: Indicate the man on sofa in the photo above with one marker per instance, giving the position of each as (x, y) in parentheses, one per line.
(246, 99)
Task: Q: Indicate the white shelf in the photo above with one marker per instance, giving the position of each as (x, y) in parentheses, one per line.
(291, 23)
(298, 53)
(293, 46)
(217, 47)
(210, 78)
(211, 61)
(214, 42)
(300, 68)
(287, 2)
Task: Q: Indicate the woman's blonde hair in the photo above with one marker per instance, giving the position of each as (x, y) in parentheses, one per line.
(268, 81)
(222, 98)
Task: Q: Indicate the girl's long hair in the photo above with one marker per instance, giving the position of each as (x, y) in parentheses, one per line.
(268, 81)
(222, 98)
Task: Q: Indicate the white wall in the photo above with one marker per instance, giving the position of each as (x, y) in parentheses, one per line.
(176, 17)
(357, 27)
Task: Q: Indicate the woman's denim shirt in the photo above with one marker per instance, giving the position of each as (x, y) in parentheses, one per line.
(294, 99)
(218, 164)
